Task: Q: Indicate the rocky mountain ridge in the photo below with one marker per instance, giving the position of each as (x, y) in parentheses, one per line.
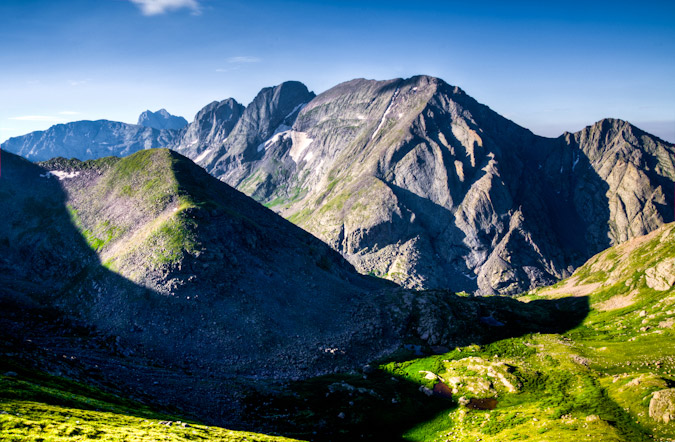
(153, 250)
(415, 181)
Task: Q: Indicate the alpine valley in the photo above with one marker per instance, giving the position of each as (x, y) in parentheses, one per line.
(387, 260)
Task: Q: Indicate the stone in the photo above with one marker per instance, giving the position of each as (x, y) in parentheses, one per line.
(662, 276)
(662, 405)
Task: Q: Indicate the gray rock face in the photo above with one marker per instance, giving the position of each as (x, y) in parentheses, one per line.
(86, 140)
(161, 120)
(662, 406)
(272, 111)
(209, 129)
(415, 181)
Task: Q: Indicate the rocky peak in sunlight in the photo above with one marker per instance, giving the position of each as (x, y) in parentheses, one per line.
(161, 120)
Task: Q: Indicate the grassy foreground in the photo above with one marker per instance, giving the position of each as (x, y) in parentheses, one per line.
(39, 407)
(594, 382)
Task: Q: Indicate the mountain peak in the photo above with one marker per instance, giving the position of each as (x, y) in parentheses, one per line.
(161, 119)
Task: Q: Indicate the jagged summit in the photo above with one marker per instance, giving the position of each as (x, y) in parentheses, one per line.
(161, 119)
(414, 180)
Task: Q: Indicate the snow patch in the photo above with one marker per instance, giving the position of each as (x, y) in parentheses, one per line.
(576, 161)
(60, 174)
(203, 155)
(299, 106)
(280, 135)
(384, 116)
(281, 128)
(300, 142)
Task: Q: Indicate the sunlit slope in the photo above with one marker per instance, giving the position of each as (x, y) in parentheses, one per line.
(609, 379)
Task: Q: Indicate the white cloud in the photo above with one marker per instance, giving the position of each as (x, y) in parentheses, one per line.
(75, 83)
(244, 59)
(36, 118)
(156, 7)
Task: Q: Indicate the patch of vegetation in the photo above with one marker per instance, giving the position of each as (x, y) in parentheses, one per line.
(146, 176)
(172, 239)
(38, 407)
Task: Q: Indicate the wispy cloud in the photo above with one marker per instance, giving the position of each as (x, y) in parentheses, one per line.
(76, 83)
(244, 59)
(156, 7)
(47, 118)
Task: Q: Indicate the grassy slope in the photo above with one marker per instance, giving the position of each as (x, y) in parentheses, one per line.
(38, 407)
(591, 383)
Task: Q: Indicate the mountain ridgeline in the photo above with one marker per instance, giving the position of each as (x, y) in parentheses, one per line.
(414, 181)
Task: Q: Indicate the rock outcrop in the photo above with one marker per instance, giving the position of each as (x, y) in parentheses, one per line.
(662, 406)
(209, 129)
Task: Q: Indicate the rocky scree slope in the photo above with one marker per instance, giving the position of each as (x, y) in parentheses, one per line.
(87, 140)
(180, 266)
(415, 181)
(161, 119)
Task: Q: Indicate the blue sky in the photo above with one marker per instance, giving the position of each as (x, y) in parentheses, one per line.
(548, 66)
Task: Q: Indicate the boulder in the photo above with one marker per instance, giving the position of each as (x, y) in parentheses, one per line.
(662, 405)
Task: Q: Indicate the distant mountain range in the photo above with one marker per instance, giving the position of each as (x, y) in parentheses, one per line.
(413, 180)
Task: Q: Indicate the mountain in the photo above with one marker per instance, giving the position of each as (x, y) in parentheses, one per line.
(211, 126)
(153, 250)
(87, 140)
(607, 377)
(415, 181)
(161, 120)
(148, 274)
(228, 150)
